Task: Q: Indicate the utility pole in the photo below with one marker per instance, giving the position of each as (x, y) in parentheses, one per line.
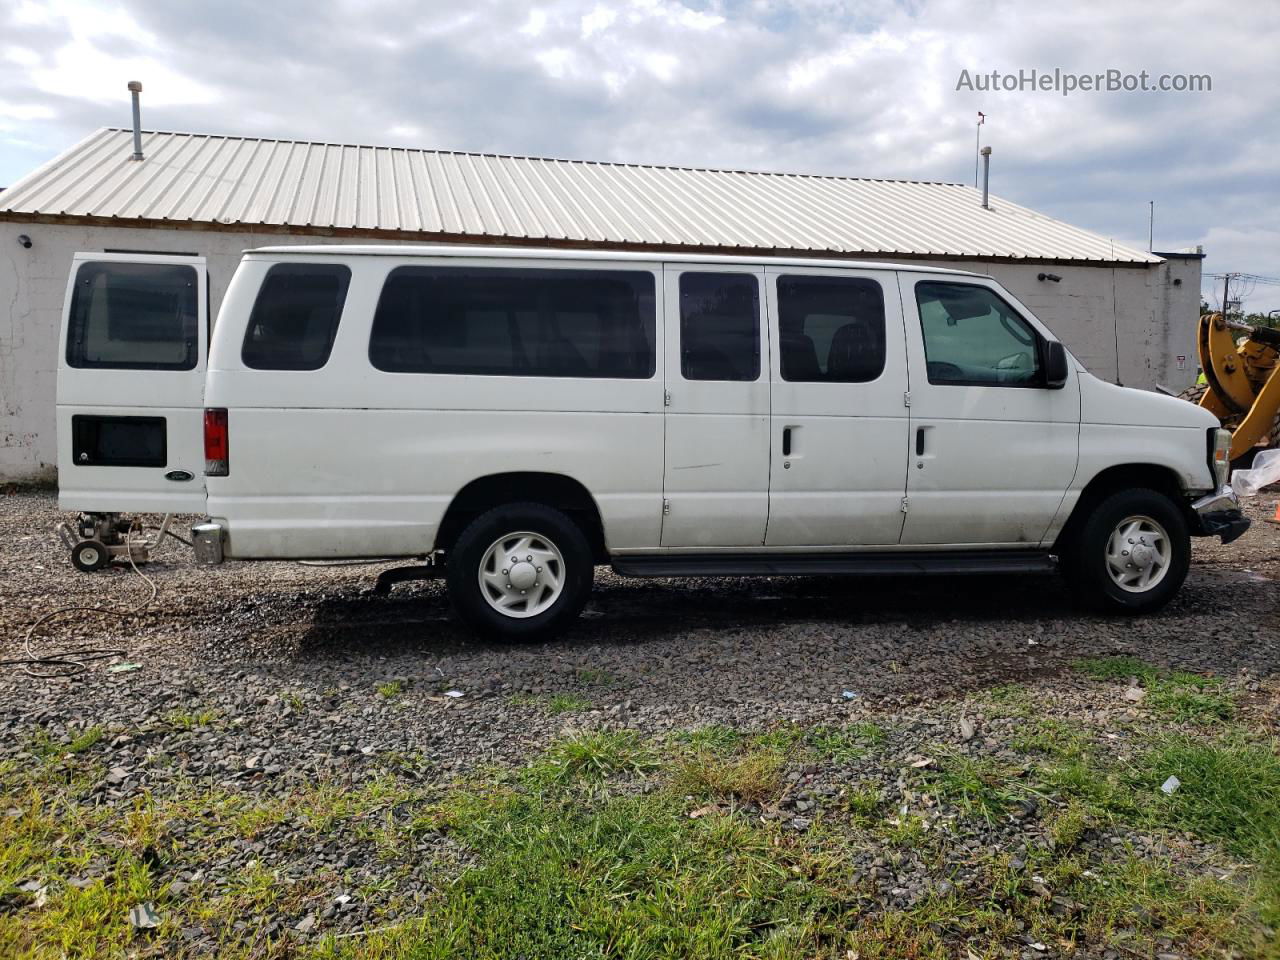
(1226, 293)
(1151, 227)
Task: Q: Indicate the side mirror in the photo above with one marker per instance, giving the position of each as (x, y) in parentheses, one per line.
(1055, 365)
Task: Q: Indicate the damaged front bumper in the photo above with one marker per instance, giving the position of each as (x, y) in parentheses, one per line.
(1218, 515)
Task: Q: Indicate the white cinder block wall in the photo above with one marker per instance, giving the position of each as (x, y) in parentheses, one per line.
(1093, 309)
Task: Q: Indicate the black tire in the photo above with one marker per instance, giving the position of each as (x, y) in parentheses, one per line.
(463, 570)
(1085, 558)
(89, 555)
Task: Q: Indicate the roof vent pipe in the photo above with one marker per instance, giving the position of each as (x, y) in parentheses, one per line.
(135, 88)
(986, 177)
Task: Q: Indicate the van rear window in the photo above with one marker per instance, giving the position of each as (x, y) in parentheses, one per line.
(295, 317)
(134, 316)
(515, 322)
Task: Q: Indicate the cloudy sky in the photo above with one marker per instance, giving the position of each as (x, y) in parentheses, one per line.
(855, 87)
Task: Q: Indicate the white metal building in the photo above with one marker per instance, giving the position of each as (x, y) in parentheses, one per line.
(1127, 314)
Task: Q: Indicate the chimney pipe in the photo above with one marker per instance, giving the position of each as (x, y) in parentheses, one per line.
(986, 177)
(135, 88)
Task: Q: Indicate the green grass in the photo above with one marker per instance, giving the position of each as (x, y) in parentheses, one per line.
(626, 877)
(127, 855)
(715, 738)
(863, 805)
(391, 689)
(1191, 699)
(596, 755)
(1115, 668)
(1010, 699)
(754, 776)
(1065, 826)
(978, 786)
(191, 719)
(45, 746)
(845, 744)
(1052, 737)
(552, 703)
(782, 737)
(907, 830)
(611, 844)
(1202, 913)
(1178, 695)
(567, 703)
(1229, 791)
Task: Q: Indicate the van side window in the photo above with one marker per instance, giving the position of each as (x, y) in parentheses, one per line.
(515, 322)
(972, 337)
(719, 326)
(295, 316)
(134, 316)
(831, 329)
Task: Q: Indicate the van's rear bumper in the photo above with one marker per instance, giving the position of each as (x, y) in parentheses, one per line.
(1218, 515)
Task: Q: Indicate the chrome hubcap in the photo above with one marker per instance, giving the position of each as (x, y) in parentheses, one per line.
(1138, 554)
(521, 574)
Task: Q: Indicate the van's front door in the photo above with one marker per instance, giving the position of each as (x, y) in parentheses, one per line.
(131, 385)
(839, 450)
(716, 476)
(994, 446)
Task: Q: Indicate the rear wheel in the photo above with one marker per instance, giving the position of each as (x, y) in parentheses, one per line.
(90, 555)
(1131, 554)
(521, 571)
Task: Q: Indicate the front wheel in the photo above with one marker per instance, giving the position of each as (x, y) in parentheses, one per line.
(1131, 554)
(521, 571)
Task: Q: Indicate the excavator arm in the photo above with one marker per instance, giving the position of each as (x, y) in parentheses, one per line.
(1238, 363)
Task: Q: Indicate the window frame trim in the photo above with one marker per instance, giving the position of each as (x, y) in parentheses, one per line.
(1038, 384)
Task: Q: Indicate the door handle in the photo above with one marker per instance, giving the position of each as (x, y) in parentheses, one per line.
(919, 441)
(786, 441)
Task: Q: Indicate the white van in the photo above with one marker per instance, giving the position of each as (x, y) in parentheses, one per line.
(519, 416)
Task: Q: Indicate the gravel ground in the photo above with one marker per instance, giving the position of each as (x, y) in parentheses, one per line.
(305, 675)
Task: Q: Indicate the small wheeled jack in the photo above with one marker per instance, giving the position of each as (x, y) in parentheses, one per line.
(98, 538)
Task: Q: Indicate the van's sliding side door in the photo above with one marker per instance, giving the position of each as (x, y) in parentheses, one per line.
(131, 368)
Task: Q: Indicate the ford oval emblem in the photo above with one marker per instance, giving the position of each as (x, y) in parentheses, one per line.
(179, 476)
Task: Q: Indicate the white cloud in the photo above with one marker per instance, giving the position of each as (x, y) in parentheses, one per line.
(536, 23)
(22, 56)
(601, 18)
(26, 111)
(557, 62)
(861, 87)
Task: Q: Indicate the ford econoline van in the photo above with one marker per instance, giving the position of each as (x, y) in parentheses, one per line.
(520, 416)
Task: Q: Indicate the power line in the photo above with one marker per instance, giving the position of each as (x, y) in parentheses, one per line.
(1252, 277)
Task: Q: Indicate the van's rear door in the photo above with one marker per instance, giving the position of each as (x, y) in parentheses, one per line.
(131, 368)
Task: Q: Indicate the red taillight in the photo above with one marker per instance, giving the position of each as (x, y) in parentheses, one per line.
(216, 462)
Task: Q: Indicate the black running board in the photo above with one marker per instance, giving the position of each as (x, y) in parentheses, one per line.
(829, 564)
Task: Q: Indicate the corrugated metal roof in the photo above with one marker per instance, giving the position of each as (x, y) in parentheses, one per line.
(243, 182)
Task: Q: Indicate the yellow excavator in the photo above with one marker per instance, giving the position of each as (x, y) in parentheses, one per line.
(1238, 362)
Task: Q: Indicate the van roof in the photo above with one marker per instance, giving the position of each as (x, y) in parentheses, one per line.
(553, 253)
